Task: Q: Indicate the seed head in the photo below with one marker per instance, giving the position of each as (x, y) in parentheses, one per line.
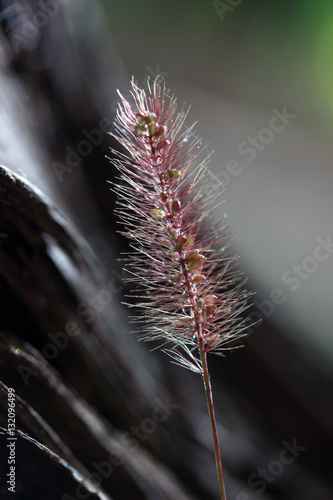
(187, 288)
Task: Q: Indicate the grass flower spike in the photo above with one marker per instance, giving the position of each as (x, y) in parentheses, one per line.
(189, 293)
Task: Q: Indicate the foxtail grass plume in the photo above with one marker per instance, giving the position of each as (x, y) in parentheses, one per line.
(190, 295)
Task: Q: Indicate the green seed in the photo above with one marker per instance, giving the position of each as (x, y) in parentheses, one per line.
(189, 240)
(157, 214)
(175, 207)
(140, 128)
(210, 298)
(173, 234)
(198, 278)
(185, 320)
(174, 173)
(150, 118)
(195, 262)
(152, 129)
(210, 309)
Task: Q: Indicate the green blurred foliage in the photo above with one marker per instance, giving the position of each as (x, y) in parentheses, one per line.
(259, 49)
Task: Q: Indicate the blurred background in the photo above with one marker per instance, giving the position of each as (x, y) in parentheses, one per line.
(259, 78)
(234, 64)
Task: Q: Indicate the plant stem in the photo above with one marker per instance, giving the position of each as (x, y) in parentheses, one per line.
(209, 396)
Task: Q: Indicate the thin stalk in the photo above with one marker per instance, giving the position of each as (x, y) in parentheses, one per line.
(209, 397)
(177, 259)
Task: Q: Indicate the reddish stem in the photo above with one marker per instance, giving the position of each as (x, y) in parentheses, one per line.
(209, 396)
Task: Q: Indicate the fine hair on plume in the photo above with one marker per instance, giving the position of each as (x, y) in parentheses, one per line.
(189, 295)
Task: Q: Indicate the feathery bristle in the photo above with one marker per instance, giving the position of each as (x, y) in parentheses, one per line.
(187, 287)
